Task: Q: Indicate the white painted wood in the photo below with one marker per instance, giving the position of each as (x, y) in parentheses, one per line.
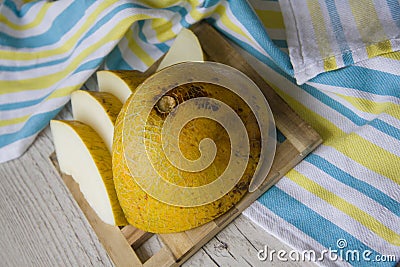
(41, 224)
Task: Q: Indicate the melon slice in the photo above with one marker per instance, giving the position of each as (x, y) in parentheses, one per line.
(186, 47)
(99, 110)
(120, 83)
(82, 154)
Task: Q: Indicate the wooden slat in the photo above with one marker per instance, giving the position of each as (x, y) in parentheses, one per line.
(163, 258)
(134, 236)
(110, 236)
(178, 243)
(196, 235)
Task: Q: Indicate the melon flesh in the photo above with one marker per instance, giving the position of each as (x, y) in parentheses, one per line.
(122, 83)
(119, 83)
(82, 154)
(186, 47)
(99, 110)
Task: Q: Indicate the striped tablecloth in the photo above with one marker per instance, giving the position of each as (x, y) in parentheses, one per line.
(337, 67)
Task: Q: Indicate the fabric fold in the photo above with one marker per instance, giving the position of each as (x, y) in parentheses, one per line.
(324, 36)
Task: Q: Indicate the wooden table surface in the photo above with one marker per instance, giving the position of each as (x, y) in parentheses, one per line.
(41, 224)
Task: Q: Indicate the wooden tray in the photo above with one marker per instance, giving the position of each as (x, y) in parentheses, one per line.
(300, 140)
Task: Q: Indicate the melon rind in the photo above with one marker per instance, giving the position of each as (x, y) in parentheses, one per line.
(82, 154)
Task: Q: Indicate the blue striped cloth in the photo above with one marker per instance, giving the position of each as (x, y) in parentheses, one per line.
(345, 196)
(325, 36)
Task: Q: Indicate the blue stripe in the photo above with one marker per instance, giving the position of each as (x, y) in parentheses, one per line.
(359, 78)
(245, 14)
(24, 104)
(110, 15)
(386, 128)
(33, 66)
(347, 58)
(19, 12)
(311, 223)
(11, 5)
(91, 31)
(182, 12)
(280, 43)
(347, 179)
(34, 125)
(90, 65)
(348, 113)
(210, 3)
(339, 33)
(394, 7)
(115, 61)
(363, 79)
(62, 24)
(161, 46)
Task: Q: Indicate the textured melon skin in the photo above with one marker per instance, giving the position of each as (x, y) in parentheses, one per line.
(152, 215)
(101, 158)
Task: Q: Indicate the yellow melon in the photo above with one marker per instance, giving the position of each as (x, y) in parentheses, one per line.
(157, 187)
(99, 110)
(82, 154)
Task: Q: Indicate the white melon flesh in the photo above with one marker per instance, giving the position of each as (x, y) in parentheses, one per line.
(99, 110)
(186, 47)
(120, 83)
(82, 154)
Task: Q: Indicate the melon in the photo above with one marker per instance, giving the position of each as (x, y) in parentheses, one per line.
(186, 47)
(99, 110)
(120, 83)
(154, 192)
(82, 154)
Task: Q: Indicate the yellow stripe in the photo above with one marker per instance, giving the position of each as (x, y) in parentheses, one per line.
(370, 106)
(351, 210)
(321, 34)
(366, 19)
(351, 145)
(160, 4)
(62, 92)
(379, 48)
(65, 91)
(196, 14)
(48, 80)
(163, 29)
(137, 50)
(324, 127)
(330, 63)
(369, 155)
(224, 18)
(13, 121)
(393, 55)
(38, 19)
(271, 19)
(68, 44)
